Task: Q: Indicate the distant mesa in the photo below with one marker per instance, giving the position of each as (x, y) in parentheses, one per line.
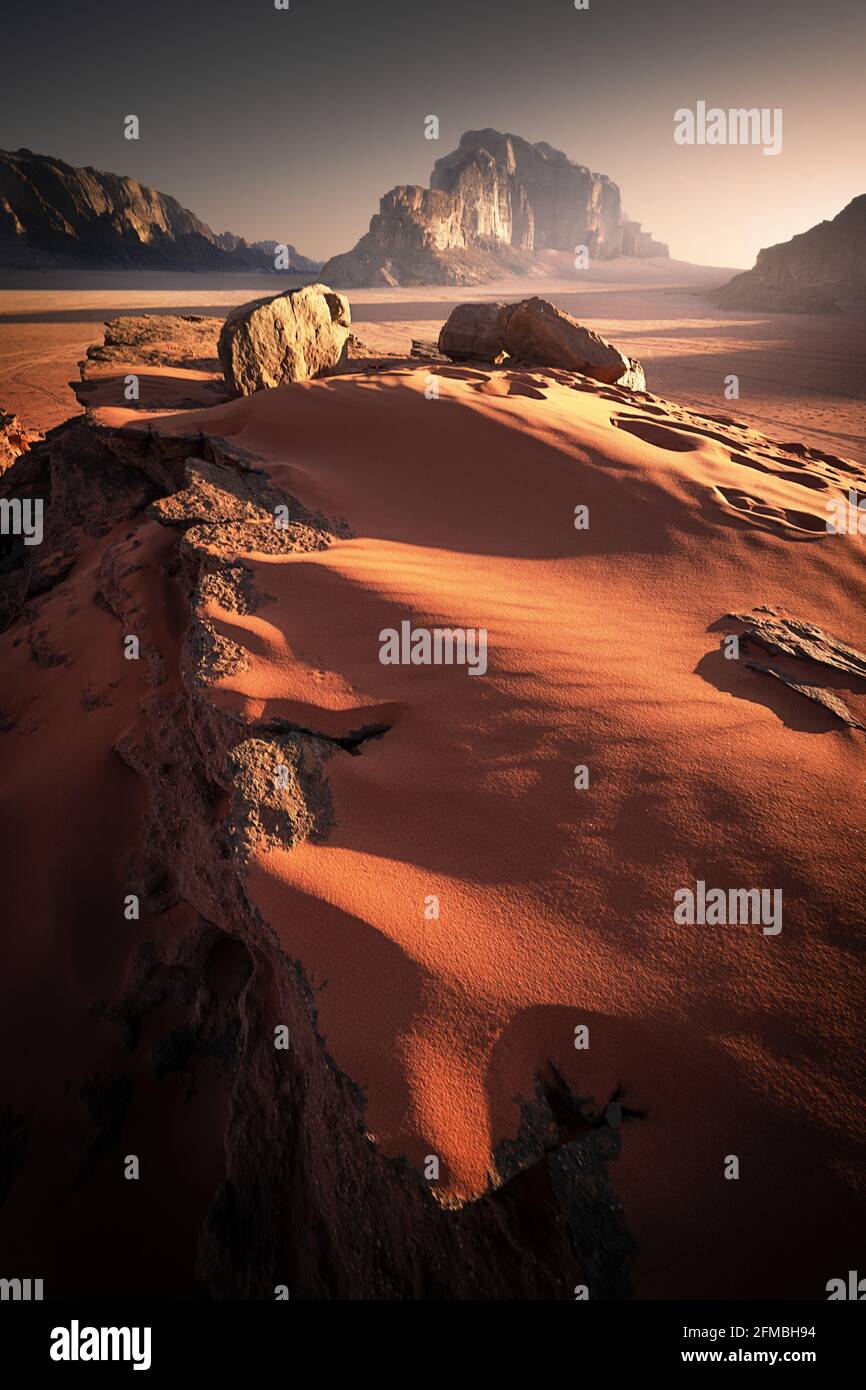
(256, 252)
(492, 205)
(809, 273)
(55, 216)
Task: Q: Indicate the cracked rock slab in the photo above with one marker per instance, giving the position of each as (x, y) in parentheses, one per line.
(784, 635)
(826, 698)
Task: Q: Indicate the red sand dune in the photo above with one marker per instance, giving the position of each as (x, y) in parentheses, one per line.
(557, 904)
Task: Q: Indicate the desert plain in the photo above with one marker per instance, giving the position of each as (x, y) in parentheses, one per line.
(801, 376)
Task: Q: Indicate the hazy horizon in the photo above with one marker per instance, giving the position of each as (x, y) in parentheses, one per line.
(243, 127)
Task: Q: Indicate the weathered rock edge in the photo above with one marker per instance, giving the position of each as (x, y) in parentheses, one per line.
(307, 1199)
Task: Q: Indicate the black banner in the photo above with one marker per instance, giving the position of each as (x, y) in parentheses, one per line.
(164, 1339)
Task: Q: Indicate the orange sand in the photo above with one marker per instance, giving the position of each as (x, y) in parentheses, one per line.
(557, 904)
(801, 376)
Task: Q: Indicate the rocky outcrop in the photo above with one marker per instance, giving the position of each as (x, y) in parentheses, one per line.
(806, 646)
(782, 634)
(289, 337)
(809, 273)
(534, 331)
(52, 214)
(141, 347)
(473, 331)
(300, 1194)
(492, 204)
(15, 440)
(159, 340)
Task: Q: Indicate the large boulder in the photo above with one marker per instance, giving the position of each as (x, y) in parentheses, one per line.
(534, 331)
(288, 337)
(473, 330)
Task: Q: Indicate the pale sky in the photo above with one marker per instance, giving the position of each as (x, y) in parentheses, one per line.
(291, 124)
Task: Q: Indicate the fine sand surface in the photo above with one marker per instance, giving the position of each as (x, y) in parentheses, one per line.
(556, 904)
(801, 376)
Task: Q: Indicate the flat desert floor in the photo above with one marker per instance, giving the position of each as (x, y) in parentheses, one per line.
(801, 377)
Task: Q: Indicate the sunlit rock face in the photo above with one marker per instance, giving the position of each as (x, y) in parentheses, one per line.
(54, 215)
(808, 273)
(492, 203)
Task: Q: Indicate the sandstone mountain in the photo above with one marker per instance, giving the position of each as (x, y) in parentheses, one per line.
(255, 250)
(492, 204)
(809, 272)
(53, 215)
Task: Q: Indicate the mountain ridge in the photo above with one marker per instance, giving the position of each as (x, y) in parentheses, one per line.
(810, 271)
(55, 215)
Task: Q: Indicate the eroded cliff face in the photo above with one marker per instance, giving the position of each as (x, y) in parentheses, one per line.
(491, 204)
(809, 272)
(546, 199)
(52, 214)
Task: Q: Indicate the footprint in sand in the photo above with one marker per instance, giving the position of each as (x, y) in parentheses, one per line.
(726, 420)
(526, 385)
(461, 373)
(507, 384)
(763, 514)
(682, 439)
(803, 479)
(659, 435)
